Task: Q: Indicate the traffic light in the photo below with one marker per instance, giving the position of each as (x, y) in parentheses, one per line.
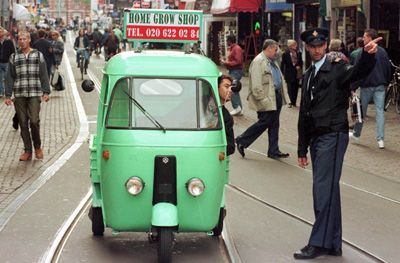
(257, 28)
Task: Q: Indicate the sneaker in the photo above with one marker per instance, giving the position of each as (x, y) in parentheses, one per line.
(381, 144)
(39, 154)
(237, 111)
(26, 156)
(353, 138)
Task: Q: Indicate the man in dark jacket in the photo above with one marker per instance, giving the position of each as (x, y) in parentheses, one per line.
(6, 49)
(291, 64)
(374, 87)
(225, 93)
(323, 126)
(44, 46)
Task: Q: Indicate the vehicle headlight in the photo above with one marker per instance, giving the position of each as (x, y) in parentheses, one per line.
(134, 185)
(195, 187)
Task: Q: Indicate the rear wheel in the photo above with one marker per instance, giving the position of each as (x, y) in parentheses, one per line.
(96, 215)
(388, 96)
(165, 245)
(217, 230)
(397, 102)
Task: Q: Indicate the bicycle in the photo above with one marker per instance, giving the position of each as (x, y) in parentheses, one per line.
(83, 63)
(393, 90)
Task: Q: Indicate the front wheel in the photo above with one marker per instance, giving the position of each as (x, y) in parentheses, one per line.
(217, 230)
(96, 215)
(165, 244)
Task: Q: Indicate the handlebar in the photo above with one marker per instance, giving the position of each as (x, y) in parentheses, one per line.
(393, 65)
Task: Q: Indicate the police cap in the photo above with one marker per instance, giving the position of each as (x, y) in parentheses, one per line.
(315, 36)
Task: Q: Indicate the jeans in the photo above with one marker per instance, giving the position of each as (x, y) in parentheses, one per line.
(236, 101)
(266, 120)
(3, 70)
(378, 94)
(85, 53)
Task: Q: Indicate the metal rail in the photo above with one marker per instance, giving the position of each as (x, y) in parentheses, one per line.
(299, 218)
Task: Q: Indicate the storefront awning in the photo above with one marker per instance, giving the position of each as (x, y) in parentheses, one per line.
(245, 5)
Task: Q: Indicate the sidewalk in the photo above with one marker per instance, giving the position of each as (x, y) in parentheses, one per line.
(365, 156)
(59, 128)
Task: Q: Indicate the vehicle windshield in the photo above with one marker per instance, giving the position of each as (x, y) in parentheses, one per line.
(143, 103)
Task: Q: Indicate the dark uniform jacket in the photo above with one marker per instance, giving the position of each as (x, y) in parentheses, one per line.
(327, 111)
(230, 138)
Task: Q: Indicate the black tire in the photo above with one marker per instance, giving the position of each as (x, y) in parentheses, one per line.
(165, 244)
(217, 230)
(397, 101)
(388, 97)
(97, 221)
(81, 66)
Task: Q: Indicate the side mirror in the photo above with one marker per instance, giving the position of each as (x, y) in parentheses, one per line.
(87, 85)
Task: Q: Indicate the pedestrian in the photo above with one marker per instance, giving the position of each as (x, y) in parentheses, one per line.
(6, 49)
(234, 64)
(111, 45)
(373, 87)
(267, 93)
(44, 46)
(28, 80)
(58, 48)
(323, 127)
(291, 66)
(356, 52)
(225, 93)
(334, 50)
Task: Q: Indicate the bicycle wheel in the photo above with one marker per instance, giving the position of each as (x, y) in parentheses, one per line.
(388, 97)
(397, 100)
(81, 66)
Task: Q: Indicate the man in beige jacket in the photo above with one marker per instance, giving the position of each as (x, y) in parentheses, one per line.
(267, 93)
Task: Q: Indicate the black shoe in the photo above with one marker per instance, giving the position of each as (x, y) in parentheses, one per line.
(15, 123)
(240, 148)
(309, 252)
(77, 65)
(85, 71)
(335, 252)
(278, 155)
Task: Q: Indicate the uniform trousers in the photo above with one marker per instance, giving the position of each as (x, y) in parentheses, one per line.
(28, 109)
(266, 120)
(327, 154)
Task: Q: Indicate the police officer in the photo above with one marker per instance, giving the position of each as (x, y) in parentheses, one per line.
(323, 127)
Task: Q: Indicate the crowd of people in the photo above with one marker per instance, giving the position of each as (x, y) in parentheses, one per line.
(30, 58)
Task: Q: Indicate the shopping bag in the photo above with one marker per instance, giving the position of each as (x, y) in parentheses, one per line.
(356, 109)
(54, 77)
(60, 82)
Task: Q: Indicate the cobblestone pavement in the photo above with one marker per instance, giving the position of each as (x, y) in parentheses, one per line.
(59, 128)
(365, 156)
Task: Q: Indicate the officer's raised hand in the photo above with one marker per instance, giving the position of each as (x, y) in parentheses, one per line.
(372, 46)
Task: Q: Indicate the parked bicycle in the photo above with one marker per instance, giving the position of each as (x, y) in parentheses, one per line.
(393, 90)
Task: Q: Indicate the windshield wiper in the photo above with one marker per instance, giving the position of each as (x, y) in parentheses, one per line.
(148, 115)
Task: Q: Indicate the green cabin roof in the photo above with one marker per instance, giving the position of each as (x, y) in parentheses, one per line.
(161, 63)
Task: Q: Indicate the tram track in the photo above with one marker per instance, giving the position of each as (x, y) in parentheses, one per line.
(285, 212)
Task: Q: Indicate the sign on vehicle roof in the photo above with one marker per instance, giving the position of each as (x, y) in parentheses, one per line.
(155, 25)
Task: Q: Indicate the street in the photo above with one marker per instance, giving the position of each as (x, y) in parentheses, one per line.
(269, 202)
